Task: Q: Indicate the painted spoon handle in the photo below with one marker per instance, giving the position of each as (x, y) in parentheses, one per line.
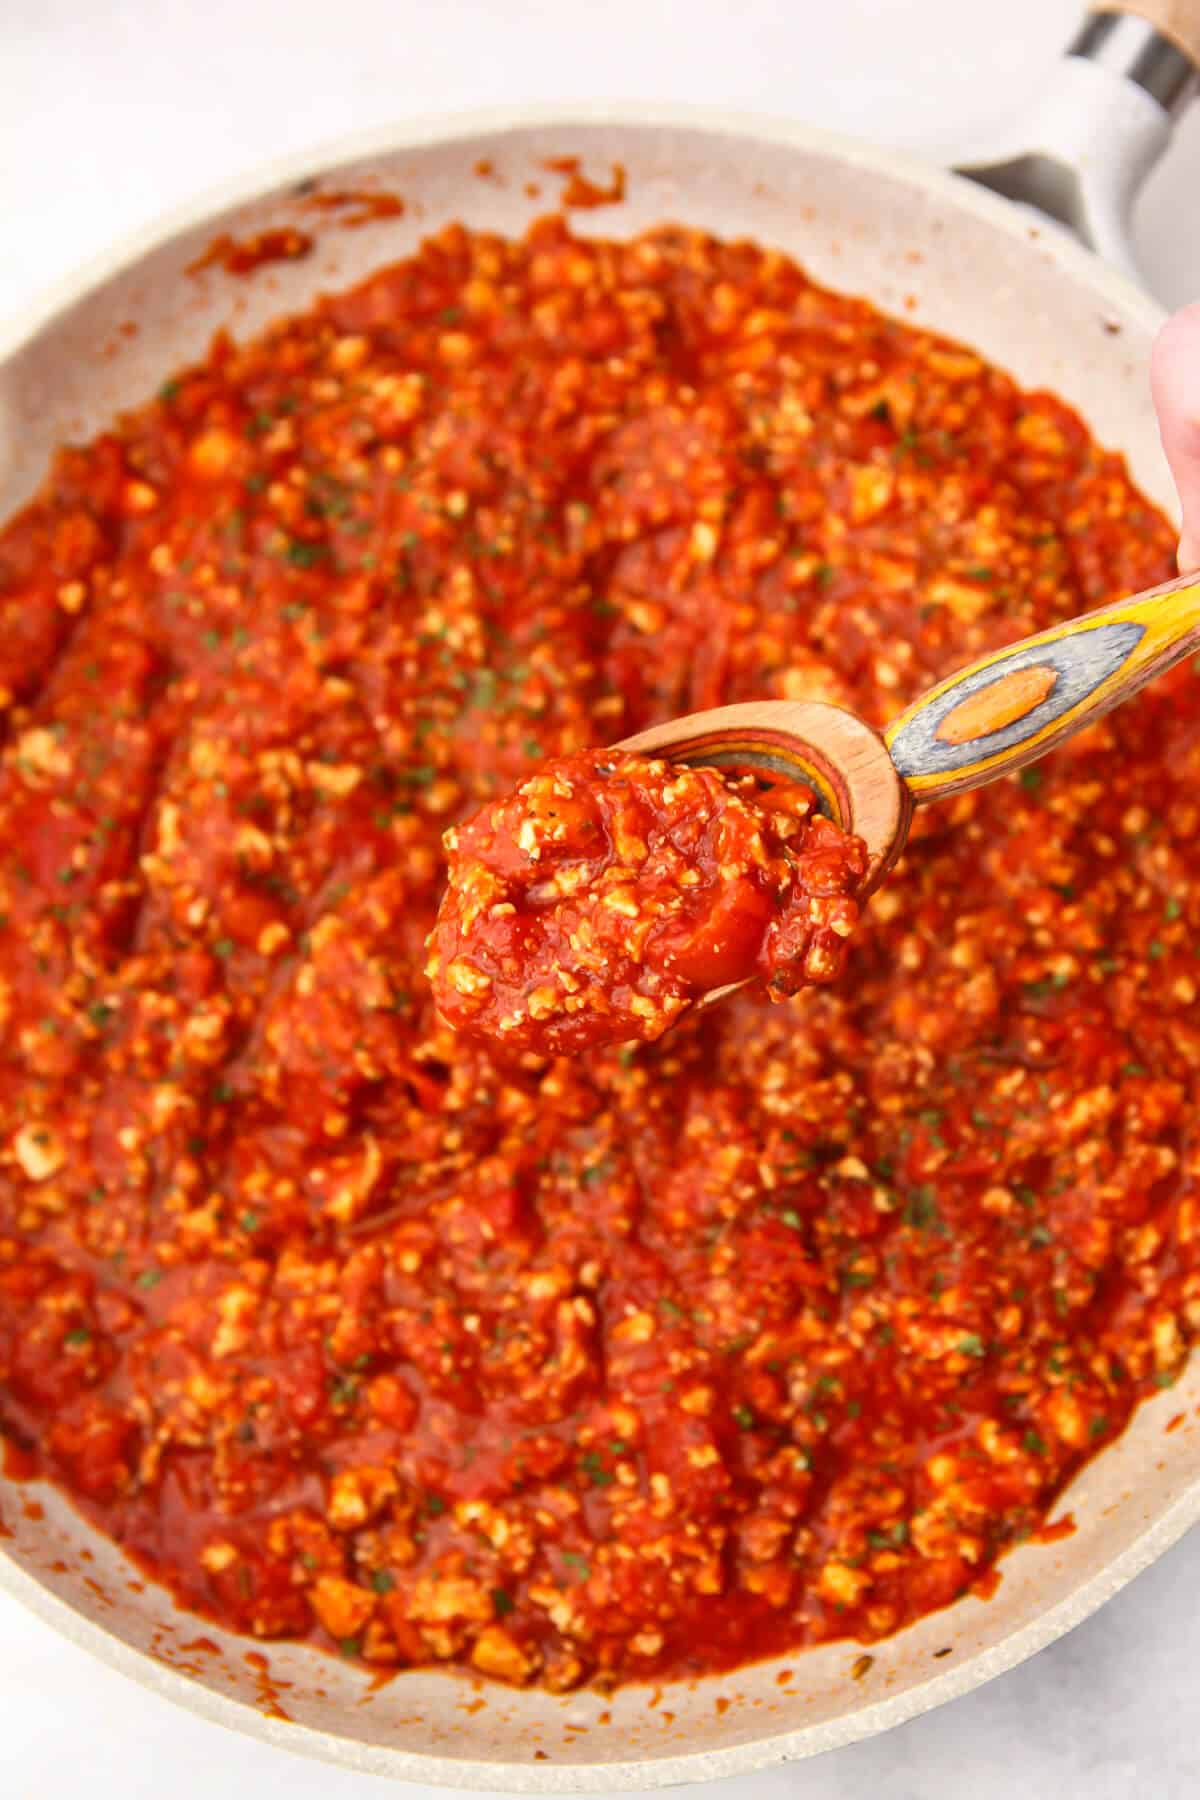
(1011, 707)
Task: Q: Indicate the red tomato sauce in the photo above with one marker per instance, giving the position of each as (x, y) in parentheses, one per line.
(244, 256)
(609, 892)
(356, 206)
(652, 1359)
(579, 191)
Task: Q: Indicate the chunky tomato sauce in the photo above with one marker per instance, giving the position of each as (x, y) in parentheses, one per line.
(610, 891)
(640, 1361)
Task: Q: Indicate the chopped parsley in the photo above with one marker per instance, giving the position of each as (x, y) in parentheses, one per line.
(593, 1467)
(304, 555)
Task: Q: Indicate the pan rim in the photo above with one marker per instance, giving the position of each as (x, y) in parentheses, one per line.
(500, 1776)
(19, 327)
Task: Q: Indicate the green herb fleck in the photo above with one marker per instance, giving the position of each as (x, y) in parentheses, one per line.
(891, 1539)
(595, 1470)
(303, 555)
(921, 1210)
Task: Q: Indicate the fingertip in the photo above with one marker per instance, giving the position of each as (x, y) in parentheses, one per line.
(1175, 364)
(1175, 386)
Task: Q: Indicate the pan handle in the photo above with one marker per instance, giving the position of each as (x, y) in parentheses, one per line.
(1154, 43)
(1082, 150)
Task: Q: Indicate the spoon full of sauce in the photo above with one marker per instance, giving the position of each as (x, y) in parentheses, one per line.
(984, 721)
(614, 888)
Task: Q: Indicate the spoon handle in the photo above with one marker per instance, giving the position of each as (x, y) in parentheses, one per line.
(1009, 708)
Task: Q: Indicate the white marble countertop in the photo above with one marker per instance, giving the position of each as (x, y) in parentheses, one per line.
(114, 110)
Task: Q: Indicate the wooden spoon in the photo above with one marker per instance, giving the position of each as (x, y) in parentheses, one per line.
(990, 718)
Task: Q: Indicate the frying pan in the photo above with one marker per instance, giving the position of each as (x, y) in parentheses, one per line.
(919, 242)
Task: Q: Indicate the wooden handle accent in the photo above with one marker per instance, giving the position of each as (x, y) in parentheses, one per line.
(1177, 20)
(1011, 707)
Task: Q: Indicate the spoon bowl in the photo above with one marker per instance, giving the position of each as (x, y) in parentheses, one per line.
(838, 755)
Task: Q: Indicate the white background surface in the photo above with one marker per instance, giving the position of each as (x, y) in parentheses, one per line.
(113, 110)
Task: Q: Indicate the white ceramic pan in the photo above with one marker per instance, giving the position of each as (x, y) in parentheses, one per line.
(934, 248)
